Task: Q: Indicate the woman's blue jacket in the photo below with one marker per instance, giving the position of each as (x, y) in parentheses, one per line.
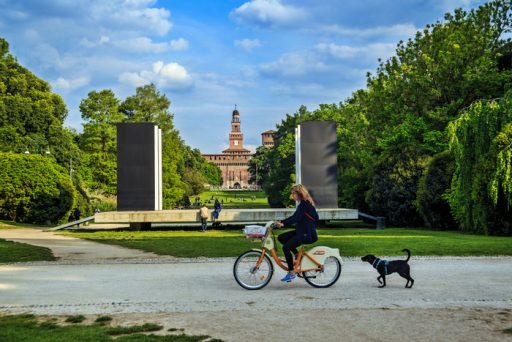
(305, 219)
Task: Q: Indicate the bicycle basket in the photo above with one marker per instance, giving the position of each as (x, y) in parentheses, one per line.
(255, 232)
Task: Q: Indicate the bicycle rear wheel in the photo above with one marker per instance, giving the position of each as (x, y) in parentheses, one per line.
(247, 275)
(327, 276)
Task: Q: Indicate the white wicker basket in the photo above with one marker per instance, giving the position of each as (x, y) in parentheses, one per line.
(255, 232)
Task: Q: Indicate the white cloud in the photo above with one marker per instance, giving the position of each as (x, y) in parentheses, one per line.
(248, 44)
(94, 43)
(146, 45)
(167, 76)
(372, 51)
(406, 30)
(70, 84)
(136, 13)
(338, 51)
(292, 65)
(179, 44)
(268, 13)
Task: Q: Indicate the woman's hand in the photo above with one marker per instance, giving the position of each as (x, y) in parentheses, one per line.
(278, 224)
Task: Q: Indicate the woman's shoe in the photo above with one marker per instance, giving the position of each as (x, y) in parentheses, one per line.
(288, 277)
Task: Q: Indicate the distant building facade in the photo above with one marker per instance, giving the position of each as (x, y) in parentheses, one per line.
(267, 138)
(233, 161)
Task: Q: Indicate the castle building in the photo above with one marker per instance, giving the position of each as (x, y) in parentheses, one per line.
(267, 138)
(233, 161)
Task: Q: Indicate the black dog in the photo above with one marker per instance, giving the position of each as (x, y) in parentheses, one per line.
(385, 267)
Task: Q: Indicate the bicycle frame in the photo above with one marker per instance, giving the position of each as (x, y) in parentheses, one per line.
(268, 244)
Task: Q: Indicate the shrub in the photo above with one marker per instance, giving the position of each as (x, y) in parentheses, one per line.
(432, 190)
(34, 189)
(393, 189)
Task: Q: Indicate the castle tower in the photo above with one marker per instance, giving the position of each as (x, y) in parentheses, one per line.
(234, 161)
(236, 138)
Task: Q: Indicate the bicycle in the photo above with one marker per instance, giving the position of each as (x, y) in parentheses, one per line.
(320, 266)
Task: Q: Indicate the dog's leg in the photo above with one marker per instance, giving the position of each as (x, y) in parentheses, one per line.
(383, 281)
(379, 279)
(405, 274)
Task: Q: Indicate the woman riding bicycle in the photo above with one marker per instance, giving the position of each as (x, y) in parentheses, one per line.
(304, 219)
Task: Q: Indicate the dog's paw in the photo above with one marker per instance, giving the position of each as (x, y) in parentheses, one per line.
(380, 287)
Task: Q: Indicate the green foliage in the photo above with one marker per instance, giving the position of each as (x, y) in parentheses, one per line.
(259, 165)
(31, 116)
(35, 189)
(197, 171)
(393, 189)
(433, 188)
(100, 112)
(480, 193)
(389, 131)
(280, 161)
(149, 105)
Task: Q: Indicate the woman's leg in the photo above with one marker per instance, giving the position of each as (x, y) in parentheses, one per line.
(283, 238)
(290, 246)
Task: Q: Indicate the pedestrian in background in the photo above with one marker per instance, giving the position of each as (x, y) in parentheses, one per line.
(203, 215)
(217, 207)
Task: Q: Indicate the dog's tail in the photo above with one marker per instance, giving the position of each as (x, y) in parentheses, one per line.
(408, 254)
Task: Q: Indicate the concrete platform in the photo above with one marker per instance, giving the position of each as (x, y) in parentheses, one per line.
(226, 215)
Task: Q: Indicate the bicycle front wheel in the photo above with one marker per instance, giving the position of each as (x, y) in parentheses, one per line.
(248, 275)
(327, 276)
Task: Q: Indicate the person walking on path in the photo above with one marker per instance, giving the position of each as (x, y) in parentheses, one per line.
(304, 218)
(203, 214)
(76, 215)
(217, 207)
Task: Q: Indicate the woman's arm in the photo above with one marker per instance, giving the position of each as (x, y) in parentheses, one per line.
(296, 217)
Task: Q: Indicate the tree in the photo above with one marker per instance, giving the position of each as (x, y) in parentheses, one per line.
(196, 171)
(149, 105)
(100, 112)
(31, 116)
(433, 188)
(480, 194)
(259, 167)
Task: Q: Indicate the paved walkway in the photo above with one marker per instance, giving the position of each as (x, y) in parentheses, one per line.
(72, 249)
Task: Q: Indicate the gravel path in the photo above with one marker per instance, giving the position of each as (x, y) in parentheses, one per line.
(453, 298)
(209, 286)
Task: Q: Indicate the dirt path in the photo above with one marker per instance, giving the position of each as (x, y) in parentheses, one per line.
(473, 324)
(73, 249)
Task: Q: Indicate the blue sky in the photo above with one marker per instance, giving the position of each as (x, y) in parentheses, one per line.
(267, 56)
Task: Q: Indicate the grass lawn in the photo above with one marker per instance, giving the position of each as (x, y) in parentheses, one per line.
(11, 224)
(28, 328)
(235, 199)
(21, 252)
(351, 242)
